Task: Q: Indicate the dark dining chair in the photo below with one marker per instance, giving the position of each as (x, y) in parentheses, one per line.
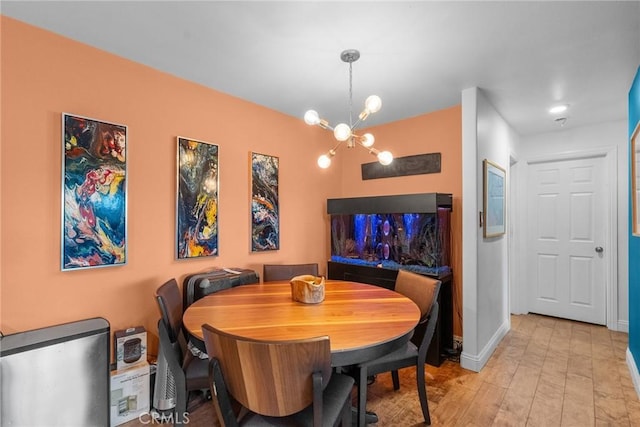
(423, 291)
(277, 383)
(189, 372)
(273, 272)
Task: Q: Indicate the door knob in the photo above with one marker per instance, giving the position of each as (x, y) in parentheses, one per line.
(599, 249)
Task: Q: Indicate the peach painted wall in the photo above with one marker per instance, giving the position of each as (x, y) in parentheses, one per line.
(437, 132)
(44, 75)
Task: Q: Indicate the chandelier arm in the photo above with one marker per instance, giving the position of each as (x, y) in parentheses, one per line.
(337, 146)
(371, 150)
(324, 124)
(356, 123)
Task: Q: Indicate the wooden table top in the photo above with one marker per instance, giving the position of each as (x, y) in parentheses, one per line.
(363, 321)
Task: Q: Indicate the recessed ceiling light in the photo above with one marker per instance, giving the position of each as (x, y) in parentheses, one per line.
(558, 109)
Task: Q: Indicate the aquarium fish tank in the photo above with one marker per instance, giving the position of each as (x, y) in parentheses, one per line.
(391, 233)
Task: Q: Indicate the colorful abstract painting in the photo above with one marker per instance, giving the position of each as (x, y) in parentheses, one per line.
(94, 186)
(197, 199)
(265, 212)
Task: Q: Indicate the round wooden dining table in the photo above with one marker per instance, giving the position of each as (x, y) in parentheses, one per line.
(363, 321)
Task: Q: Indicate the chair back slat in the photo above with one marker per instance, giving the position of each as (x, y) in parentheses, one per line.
(272, 378)
(170, 303)
(422, 290)
(272, 272)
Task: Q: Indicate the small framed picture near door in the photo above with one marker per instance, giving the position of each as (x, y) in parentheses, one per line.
(494, 203)
(635, 182)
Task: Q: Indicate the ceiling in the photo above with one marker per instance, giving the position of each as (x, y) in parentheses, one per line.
(417, 56)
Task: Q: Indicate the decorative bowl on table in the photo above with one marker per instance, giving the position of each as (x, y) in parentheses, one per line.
(307, 288)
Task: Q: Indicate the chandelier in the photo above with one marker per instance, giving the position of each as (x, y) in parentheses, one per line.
(345, 132)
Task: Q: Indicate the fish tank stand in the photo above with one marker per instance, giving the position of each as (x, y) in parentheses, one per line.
(374, 237)
(442, 343)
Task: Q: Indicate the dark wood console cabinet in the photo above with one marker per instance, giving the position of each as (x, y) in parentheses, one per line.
(443, 337)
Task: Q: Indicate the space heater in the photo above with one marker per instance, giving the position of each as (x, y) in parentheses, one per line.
(164, 390)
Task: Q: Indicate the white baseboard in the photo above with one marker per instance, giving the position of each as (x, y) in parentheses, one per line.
(633, 370)
(623, 326)
(475, 362)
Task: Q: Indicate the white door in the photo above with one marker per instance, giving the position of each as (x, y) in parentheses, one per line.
(567, 208)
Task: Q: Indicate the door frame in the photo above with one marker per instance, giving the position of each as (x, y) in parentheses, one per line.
(517, 301)
(610, 155)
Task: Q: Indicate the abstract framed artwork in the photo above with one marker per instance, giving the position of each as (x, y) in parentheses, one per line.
(265, 208)
(197, 199)
(494, 203)
(94, 193)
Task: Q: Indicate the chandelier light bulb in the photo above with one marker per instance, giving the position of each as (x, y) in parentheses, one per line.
(385, 158)
(342, 132)
(373, 103)
(324, 161)
(311, 117)
(367, 140)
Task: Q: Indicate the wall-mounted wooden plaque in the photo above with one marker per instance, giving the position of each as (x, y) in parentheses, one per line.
(403, 166)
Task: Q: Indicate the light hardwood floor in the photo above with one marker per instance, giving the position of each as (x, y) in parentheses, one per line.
(545, 372)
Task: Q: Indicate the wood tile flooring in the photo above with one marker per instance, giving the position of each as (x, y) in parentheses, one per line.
(546, 372)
